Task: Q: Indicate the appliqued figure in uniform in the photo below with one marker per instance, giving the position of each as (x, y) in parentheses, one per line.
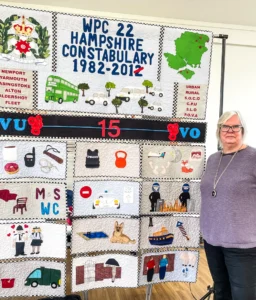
(37, 240)
(19, 239)
(184, 196)
(154, 196)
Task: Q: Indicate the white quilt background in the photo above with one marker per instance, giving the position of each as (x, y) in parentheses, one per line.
(114, 189)
(21, 270)
(129, 272)
(45, 20)
(190, 224)
(52, 196)
(170, 191)
(107, 159)
(181, 272)
(53, 236)
(24, 147)
(80, 245)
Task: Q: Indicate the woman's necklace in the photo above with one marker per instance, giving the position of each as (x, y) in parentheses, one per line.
(215, 182)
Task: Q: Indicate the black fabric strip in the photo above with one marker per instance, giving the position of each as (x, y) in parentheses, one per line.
(16, 124)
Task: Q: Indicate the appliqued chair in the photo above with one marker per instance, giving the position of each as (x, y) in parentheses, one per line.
(21, 204)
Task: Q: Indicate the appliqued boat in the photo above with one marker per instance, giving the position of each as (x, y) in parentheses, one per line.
(161, 238)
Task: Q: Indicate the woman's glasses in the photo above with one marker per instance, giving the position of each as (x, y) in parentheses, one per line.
(234, 128)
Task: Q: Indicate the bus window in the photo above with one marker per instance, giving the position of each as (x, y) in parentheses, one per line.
(36, 274)
(49, 89)
(49, 78)
(57, 80)
(58, 92)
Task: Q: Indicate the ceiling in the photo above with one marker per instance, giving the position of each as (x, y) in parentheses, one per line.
(239, 12)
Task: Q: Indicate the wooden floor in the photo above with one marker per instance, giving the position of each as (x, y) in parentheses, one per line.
(163, 291)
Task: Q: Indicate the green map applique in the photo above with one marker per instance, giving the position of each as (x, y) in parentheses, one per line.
(190, 47)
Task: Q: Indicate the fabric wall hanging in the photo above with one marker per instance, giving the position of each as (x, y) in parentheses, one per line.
(170, 231)
(184, 67)
(25, 239)
(106, 197)
(127, 67)
(95, 127)
(17, 88)
(107, 159)
(173, 162)
(168, 266)
(32, 278)
(167, 197)
(133, 72)
(27, 39)
(190, 100)
(32, 159)
(101, 234)
(108, 270)
(23, 200)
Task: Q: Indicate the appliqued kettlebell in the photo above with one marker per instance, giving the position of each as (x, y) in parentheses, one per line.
(120, 159)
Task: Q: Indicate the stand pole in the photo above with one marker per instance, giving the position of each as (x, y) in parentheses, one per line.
(211, 291)
(149, 291)
(224, 38)
(222, 77)
(86, 295)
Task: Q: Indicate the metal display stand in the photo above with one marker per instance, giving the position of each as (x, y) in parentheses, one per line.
(208, 294)
(224, 37)
(149, 291)
(86, 295)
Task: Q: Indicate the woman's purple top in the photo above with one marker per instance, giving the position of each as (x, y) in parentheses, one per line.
(229, 220)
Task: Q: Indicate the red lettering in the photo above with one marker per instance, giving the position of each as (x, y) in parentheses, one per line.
(57, 195)
(112, 126)
(192, 103)
(40, 192)
(190, 115)
(191, 109)
(12, 102)
(192, 92)
(193, 86)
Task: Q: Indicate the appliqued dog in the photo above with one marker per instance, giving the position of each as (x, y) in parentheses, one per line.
(119, 237)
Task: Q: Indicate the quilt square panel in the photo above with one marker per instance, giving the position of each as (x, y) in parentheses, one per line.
(106, 197)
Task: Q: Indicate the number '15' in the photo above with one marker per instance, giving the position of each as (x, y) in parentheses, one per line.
(111, 127)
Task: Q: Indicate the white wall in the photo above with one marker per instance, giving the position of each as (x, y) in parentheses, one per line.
(240, 78)
(240, 89)
(197, 10)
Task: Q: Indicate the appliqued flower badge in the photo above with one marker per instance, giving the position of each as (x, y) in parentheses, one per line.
(24, 40)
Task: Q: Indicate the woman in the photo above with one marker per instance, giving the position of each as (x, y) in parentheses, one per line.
(37, 240)
(228, 212)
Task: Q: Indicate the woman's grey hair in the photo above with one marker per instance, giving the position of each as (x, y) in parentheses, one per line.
(227, 115)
